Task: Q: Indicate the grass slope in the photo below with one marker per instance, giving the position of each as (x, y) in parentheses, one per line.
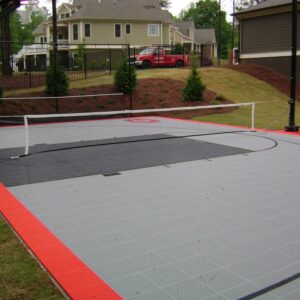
(20, 275)
(233, 85)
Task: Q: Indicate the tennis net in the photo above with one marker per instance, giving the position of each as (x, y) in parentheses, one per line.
(65, 131)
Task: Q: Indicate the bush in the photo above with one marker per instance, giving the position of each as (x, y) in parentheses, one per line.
(194, 88)
(57, 83)
(125, 78)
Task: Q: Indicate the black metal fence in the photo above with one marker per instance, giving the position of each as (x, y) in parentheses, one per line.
(27, 67)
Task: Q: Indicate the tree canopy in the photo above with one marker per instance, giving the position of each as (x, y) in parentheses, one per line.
(206, 14)
(22, 33)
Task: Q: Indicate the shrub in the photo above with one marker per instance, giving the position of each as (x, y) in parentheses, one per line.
(125, 78)
(57, 83)
(194, 88)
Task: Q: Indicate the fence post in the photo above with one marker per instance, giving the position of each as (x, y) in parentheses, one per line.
(129, 77)
(29, 67)
(110, 65)
(56, 105)
(84, 66)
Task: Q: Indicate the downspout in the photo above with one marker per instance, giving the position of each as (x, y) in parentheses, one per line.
(161, 33)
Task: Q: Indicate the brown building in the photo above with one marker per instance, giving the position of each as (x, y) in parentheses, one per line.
(265, 32)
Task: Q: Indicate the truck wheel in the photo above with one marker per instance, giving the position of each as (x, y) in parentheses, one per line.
(146, 64)
(179, 64)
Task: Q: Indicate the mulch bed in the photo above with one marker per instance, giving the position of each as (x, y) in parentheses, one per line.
(270, 76)
(149, 93)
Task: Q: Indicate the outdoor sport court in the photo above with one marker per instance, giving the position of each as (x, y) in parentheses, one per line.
(156, 208)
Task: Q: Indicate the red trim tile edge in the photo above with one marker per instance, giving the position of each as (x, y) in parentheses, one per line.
(75, 277)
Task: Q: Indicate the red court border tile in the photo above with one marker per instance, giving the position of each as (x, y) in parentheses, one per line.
(74, 277)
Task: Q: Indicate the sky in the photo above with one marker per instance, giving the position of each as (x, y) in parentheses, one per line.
(176, 6)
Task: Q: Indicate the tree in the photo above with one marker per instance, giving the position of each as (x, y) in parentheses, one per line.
(125, 78)
(194, 88)
(206, 14)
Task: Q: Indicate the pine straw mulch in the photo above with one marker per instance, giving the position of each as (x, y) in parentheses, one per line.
(149, 93)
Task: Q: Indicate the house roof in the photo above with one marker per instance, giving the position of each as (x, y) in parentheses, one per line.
(205, 36)
(148, 10)
(265, 5)
(184, 26)
(40, 29)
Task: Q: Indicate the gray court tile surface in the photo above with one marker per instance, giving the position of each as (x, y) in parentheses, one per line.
(221, 228)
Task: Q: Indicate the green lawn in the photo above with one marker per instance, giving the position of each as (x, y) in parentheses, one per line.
(20, 275)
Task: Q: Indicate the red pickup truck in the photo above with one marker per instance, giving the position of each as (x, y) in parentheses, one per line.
(158, 57)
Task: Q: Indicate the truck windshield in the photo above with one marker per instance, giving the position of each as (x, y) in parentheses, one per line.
(147, 51)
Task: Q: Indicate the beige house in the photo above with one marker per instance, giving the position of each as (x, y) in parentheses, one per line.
(103, 24)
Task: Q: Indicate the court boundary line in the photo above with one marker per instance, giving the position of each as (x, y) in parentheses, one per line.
(271, 287)
(75, 278)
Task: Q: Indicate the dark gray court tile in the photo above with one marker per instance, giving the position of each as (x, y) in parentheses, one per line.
(165, 275)
(158, 294)
(114, 269)
(221, 280)
(249, 269)
(196, 265)
(145, 261)
(189, 290)
(132, 285)
(113, 158)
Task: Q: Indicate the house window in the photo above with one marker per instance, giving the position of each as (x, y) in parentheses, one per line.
(62, 16)
(45, 39)
(128, 29)
(42, 40)
(67, 15)
(75, 32)
(153, 30)
(87, 30)
(117, 30)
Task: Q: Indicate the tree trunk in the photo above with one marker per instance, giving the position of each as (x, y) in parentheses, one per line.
(6, 46)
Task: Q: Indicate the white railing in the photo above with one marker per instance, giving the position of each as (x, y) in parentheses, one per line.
(40, 48)
(32, 49)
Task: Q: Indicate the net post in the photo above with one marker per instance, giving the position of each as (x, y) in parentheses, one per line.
(253, 116)
(26, 135)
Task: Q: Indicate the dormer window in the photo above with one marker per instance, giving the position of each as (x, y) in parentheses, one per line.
(67, 15)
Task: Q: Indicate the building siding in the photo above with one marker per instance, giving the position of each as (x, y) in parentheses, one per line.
(104, 33)
(271, 33)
